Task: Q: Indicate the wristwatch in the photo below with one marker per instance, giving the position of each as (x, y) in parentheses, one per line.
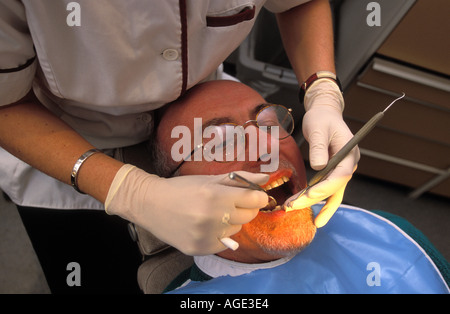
(318, 75)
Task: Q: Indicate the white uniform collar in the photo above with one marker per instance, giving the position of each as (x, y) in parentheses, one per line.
(216, 266)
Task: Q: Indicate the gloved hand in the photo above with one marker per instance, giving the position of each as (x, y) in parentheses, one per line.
(190, 213)
(326, 133)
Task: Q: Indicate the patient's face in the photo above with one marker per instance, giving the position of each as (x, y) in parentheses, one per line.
(270, 235)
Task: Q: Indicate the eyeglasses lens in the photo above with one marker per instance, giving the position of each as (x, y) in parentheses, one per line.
(227, 141)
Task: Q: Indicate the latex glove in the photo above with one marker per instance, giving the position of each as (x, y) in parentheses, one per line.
(326, 133)
(190, 213)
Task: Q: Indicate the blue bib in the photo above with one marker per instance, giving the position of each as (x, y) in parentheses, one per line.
(356, 252)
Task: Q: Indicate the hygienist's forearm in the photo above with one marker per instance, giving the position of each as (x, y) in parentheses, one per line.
(33, 134)
(307, 34)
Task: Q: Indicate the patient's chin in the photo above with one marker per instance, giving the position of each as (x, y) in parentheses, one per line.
(289, 247)
(284, 236)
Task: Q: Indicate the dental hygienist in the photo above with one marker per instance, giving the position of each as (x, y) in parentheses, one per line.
(79, 81)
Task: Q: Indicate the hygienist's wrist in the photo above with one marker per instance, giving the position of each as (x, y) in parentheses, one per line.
(324, 92)
(97, 174)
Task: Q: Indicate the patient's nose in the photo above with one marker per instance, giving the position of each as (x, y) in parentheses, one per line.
(261, 142)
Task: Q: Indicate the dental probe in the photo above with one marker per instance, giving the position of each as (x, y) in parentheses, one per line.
(341, 154)
(253, 186)
(250, 184)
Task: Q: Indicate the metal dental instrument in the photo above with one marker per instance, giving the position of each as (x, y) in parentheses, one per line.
(250, 184)
(340, 155)
(253, 186)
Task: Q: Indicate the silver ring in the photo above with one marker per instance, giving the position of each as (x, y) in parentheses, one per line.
(226, 218)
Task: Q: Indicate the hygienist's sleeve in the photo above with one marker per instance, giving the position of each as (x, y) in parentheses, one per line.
(17, 56)
(277, 6)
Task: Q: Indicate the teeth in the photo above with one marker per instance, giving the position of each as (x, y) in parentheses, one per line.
(279, 207)
(276, 183)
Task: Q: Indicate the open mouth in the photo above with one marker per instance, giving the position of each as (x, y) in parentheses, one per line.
(280, 189)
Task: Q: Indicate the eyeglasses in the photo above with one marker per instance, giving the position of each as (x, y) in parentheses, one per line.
(227, 141)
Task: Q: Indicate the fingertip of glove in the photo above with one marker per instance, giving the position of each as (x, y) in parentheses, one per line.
(262, 198)
(319, 223)
(323, 217)
(318, 163)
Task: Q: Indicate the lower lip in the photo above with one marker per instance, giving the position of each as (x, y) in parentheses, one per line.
(278, 214)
